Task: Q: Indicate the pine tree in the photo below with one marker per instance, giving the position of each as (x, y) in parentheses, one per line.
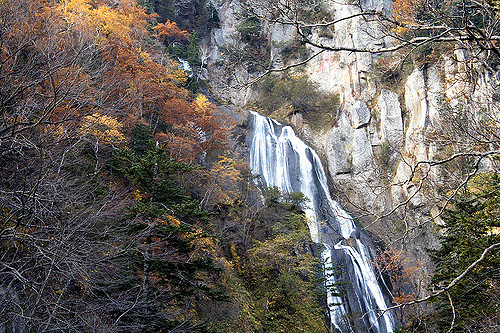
(470, 227)
(160, 273)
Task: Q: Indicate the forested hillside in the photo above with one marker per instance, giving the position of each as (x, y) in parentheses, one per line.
(121, 207)
(127, 203)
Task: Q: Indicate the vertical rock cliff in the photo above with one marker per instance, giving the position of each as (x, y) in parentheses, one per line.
(382, 129)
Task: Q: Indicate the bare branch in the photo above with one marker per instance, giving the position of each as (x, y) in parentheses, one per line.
(450, 285)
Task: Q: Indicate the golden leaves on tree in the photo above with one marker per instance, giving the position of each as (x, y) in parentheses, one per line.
(106, 129)
(405, 12)
(170, 30)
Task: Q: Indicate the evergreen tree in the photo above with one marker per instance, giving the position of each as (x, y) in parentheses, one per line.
(470, 227)
(159, 270)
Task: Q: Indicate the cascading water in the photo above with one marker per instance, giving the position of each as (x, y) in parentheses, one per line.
(283, 160)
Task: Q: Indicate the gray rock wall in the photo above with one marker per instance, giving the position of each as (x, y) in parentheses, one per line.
(380, 133)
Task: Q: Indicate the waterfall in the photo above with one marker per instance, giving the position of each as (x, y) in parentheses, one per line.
(284, 161)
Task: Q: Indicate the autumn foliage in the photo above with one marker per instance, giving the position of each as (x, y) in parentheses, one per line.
(99, 57)
(170, 30)
(96, 129)
(118, 201)
(406, 11)
(401, 272)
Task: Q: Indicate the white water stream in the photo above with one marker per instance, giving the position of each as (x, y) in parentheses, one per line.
(284, 161)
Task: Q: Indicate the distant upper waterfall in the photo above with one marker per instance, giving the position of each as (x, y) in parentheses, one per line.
(283, 160)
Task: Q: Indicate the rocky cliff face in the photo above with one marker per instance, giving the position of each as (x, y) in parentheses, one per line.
(381, 131)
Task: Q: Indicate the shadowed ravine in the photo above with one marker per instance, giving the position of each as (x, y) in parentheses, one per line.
(283, 160)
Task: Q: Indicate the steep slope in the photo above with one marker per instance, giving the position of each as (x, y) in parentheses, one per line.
(400, 114)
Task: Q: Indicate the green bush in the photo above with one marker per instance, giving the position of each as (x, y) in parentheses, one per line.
(294, 51)
(298, 94)
(249, 29)
(384, 155)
